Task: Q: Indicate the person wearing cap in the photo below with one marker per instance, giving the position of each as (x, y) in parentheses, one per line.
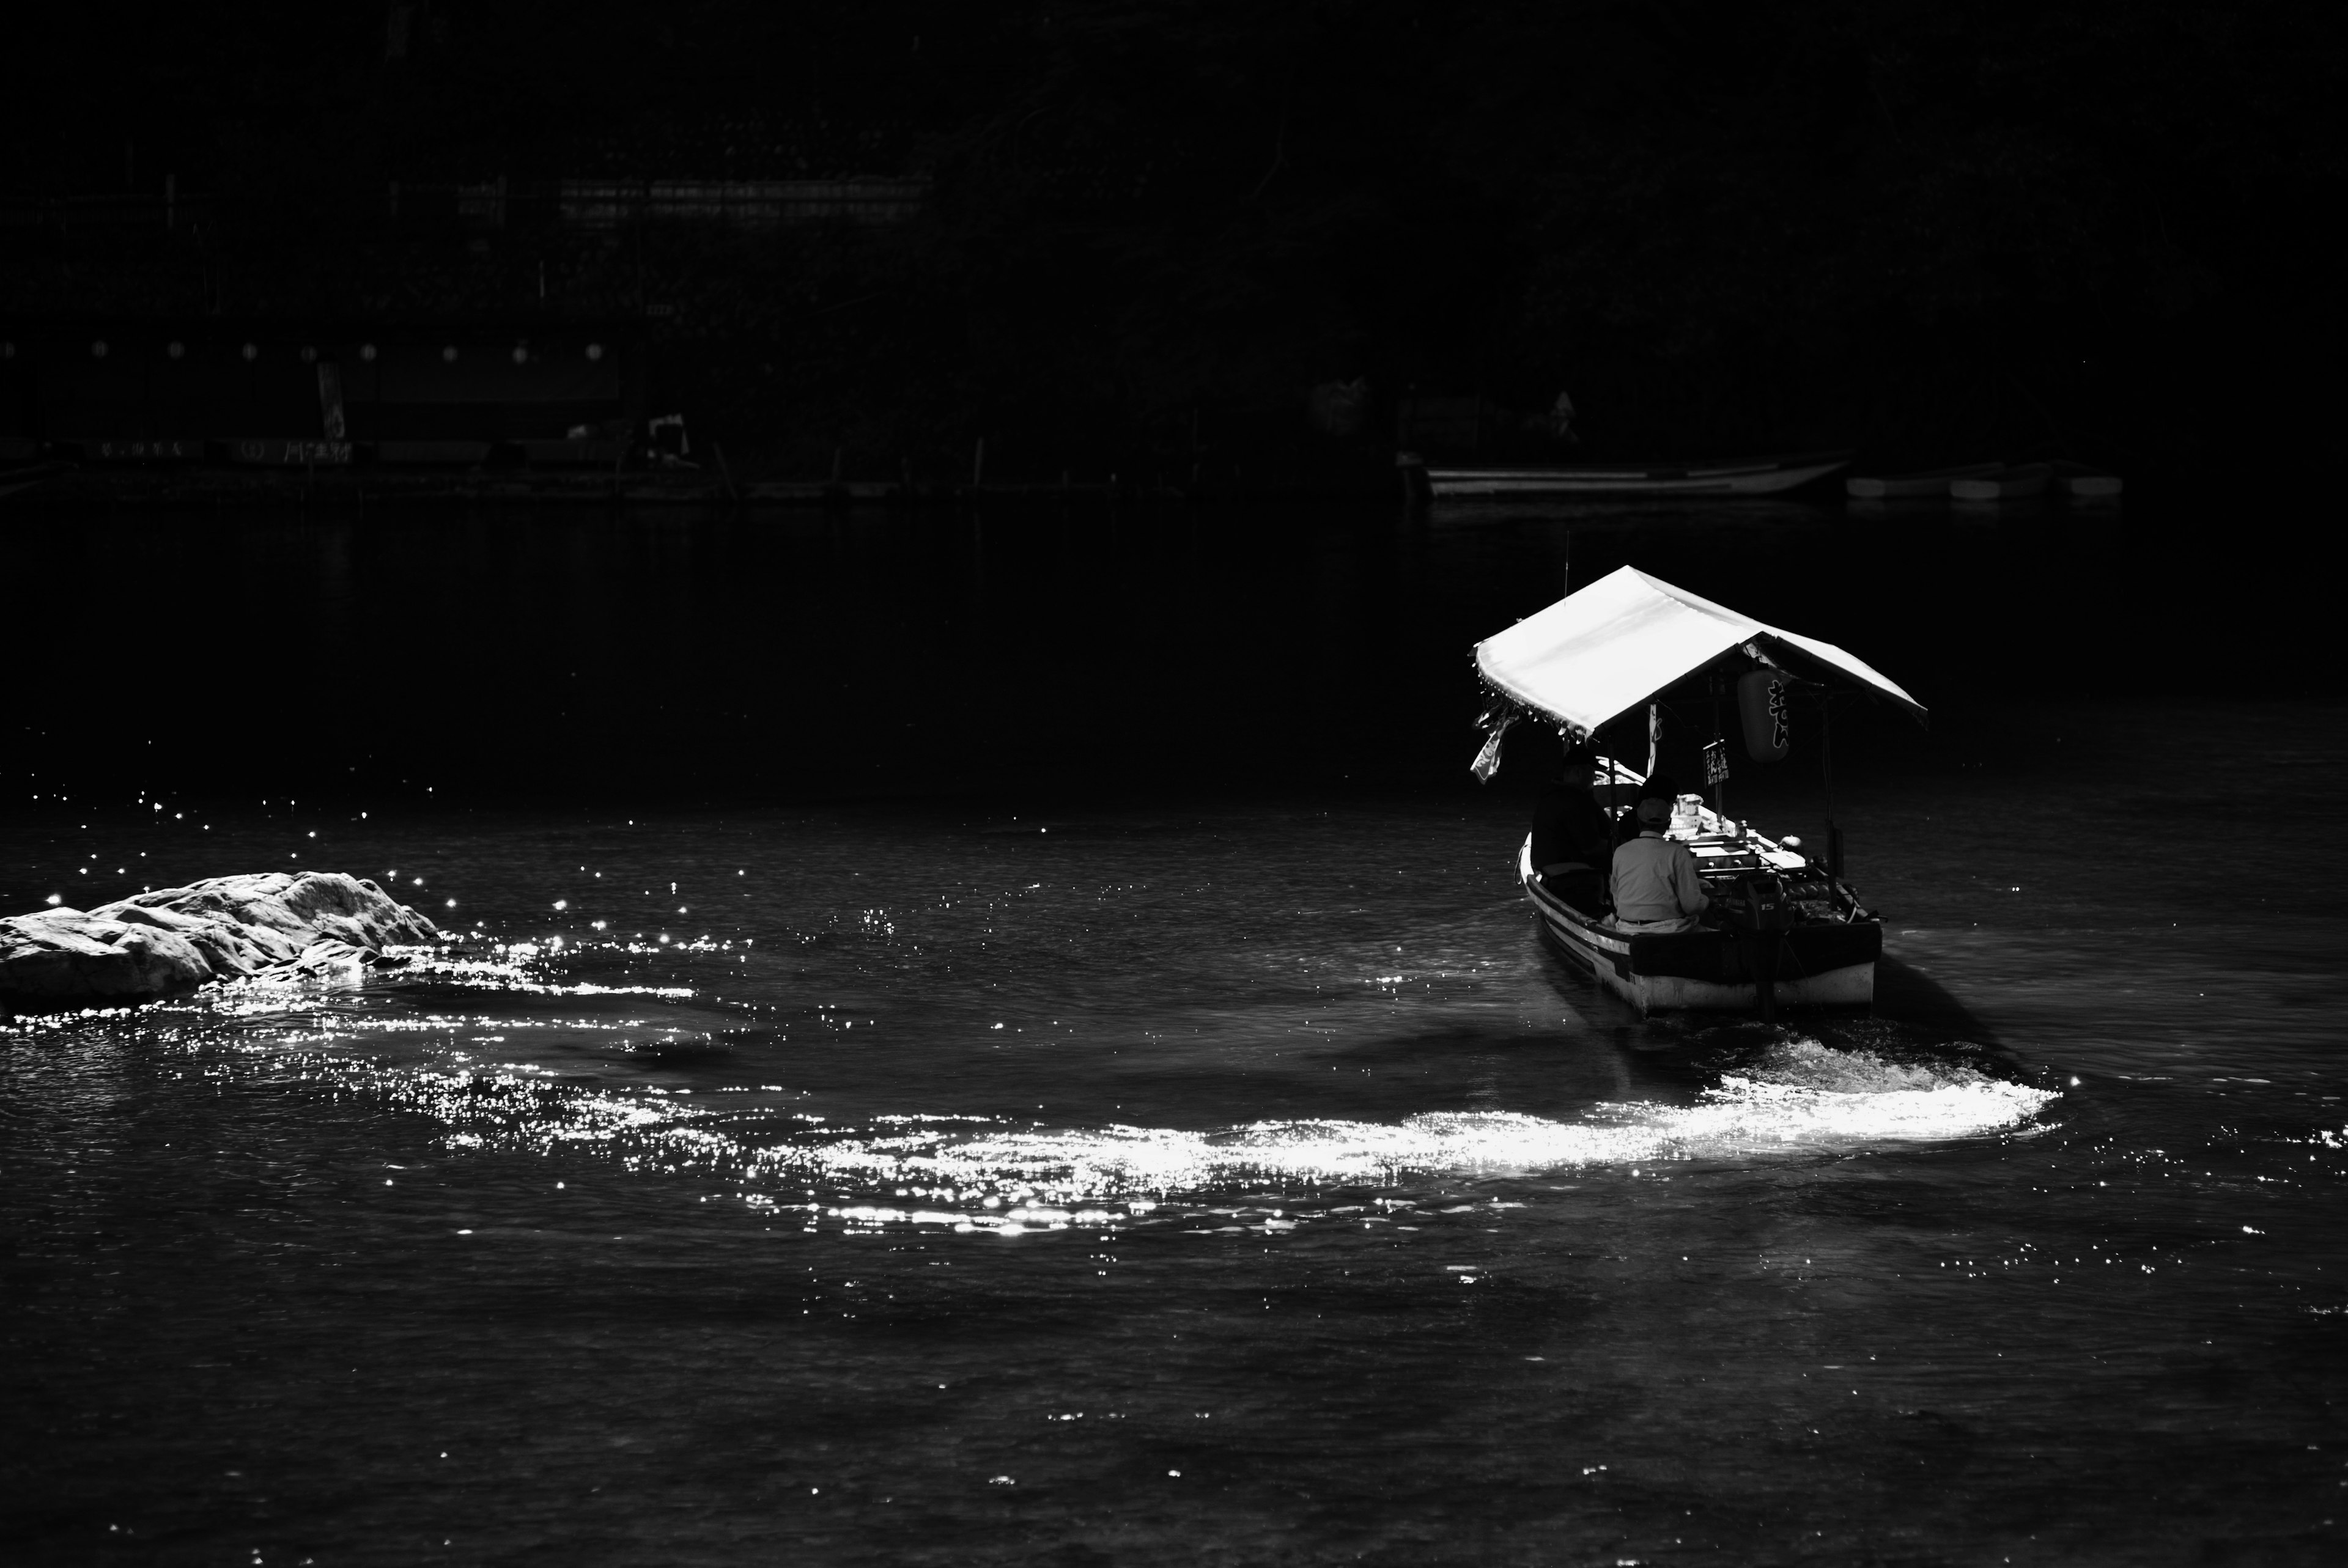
(1654, 883)
(1660, 785)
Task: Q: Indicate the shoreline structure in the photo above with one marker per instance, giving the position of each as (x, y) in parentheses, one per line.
(160, 485)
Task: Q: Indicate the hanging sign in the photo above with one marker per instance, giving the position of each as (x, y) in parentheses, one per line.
(1716, 762)
(1761, 703)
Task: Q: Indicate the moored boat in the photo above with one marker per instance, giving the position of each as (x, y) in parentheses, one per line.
(27, 475)
(2082, 482)
(1784, 927)
(1750, 477)
(2018, 483)
(1924, 483)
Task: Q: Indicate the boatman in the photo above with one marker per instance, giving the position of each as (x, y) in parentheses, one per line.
(1656, 886)
(1659, 785)
(1572, 840)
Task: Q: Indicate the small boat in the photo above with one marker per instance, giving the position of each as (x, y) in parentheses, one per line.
(29, 475)
(1752, 476)
(1793, 931)
(2082, 482)
(2017, 483)
(1924, 482)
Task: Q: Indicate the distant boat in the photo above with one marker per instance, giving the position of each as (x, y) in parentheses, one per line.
(2014, 483)
(2082, 482)
(13, 480)
(1931, 482)
(1750, 477)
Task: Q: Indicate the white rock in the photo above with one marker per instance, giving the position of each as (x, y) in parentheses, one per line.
(174, 939)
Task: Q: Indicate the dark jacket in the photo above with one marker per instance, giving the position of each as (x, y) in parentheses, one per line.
(1569, 826)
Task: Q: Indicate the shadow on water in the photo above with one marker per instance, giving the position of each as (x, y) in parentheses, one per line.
(1907, 994)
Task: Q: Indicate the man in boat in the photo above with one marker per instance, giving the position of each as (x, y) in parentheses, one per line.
(1656, 888)
(1574, 842)
(1659, 786)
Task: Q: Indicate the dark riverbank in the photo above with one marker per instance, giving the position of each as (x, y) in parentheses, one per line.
(1147, 242)
(62, 485)
(594, 654)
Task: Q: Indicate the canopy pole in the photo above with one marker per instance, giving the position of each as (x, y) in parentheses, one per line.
(1654, 735)
(1825, 768)
(1720, 739)
(1613, 767)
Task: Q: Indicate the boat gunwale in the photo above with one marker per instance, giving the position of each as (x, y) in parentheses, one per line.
(1835, 455)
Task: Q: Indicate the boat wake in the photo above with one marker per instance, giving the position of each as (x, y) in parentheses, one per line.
(972, 1173)
(1797, 1095)
(1800, 1096)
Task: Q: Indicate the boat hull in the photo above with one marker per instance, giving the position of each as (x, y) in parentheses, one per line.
(2016, 484)
(1819, 966)
(2082, 483)
(1761, 477)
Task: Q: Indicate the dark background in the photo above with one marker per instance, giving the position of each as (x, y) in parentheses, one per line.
(430, 657)
(1937, 230)
(1934, 230)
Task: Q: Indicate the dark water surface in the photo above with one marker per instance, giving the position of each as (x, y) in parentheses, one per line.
(1019, 1043)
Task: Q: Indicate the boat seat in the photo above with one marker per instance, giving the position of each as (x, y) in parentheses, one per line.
(1583, 891)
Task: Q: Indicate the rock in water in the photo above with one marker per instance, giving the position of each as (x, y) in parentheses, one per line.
(174, 939)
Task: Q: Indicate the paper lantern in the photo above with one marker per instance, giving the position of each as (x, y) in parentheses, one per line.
(1761, 703)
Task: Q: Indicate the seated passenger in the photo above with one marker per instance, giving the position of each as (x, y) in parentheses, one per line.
(1572, 841)
(1656, 888)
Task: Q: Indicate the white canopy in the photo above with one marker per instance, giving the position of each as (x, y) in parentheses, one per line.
(1604, 649)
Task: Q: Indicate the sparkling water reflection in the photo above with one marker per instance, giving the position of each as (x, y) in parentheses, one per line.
(1206, 1180)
